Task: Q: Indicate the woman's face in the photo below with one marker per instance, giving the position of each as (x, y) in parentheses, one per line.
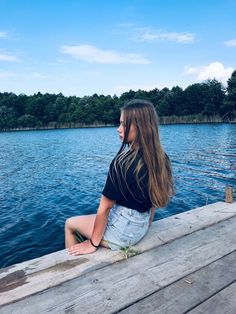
(121, 130)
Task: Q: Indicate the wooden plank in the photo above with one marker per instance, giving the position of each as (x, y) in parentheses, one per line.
(222, 302)
(229, 194)
(119, 285)
(190, 291)
(50, 270)
(176, 226)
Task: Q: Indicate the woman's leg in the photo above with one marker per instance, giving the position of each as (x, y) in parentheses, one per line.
(82, 224)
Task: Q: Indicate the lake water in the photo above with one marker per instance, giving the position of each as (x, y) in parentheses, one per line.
(48, 176)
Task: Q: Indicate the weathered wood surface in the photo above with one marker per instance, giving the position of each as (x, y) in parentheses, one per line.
(223, 302)
(229, 194)
(33, 276)
(194, 264)
(190, 291)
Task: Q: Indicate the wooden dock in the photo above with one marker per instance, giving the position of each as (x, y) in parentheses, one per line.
(186, 264)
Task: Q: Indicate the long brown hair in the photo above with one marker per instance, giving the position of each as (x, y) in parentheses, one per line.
(142, 115)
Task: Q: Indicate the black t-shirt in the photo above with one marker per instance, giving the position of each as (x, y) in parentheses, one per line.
(124, 189)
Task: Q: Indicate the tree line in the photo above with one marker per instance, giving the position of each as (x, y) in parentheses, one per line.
(208, 99)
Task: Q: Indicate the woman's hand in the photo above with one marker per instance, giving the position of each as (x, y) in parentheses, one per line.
(81, 248)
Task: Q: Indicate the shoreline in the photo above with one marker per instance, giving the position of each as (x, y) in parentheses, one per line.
(90, 126)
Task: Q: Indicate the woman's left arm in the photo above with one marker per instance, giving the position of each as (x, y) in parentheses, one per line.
(100, 224)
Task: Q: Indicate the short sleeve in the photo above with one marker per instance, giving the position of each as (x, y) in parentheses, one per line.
(111, 189)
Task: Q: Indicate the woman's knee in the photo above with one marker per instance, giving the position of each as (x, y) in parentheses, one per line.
(83, 224)
(69, 224)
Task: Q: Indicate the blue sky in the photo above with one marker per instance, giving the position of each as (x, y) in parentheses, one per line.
(82, 47)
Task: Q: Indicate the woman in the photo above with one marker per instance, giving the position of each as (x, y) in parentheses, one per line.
(139, 180)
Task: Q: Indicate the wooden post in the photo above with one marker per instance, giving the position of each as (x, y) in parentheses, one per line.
(229, 194)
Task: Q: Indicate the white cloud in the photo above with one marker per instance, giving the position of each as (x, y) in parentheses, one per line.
(146, 34)
(4, 74)
(3, 34)
(214, 70)
(230, 43)
(190, 70)
(33, 75)
(7, 57)
(93, 54)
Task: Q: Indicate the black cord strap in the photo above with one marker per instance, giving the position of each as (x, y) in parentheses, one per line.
(96, 246)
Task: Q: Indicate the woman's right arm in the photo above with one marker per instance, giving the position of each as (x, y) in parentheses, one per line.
(89, 246)
(153, 209)
(101, 219)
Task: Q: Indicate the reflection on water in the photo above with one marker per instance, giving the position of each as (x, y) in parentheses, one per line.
(47, 176)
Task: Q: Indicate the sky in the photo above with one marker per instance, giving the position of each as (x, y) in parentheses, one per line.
(83, 47)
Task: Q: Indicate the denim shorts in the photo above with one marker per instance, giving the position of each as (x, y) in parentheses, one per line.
(125, 227)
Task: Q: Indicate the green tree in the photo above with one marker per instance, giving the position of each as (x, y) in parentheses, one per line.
(172, 102)
(21, 104)
(35, 106)
(214, 96)
(61, 104)
(154, 96)
(127, 96)
(162, 105)
(27, 120)
(141, 94)
(8, 118)
(194, 99)
(228, 107)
